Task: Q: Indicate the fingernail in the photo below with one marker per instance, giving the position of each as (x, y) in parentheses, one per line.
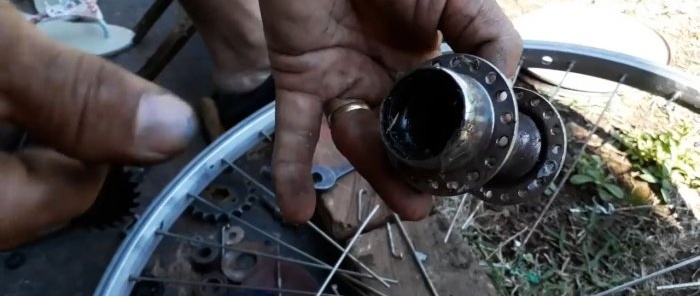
(165, 125)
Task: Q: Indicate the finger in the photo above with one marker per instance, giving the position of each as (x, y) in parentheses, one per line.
(297, 126)
(42, 189)
(83, 105)
(481, 27)
(371, 161)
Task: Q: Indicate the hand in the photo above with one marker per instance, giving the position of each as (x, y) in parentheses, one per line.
(90, 111)
(323, 51)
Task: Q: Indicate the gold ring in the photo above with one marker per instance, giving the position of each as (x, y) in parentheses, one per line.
(347, 106)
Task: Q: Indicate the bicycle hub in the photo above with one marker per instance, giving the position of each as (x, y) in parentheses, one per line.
(455, 126)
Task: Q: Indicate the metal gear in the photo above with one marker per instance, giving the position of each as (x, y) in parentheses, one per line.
(114, 203)
(231, 193)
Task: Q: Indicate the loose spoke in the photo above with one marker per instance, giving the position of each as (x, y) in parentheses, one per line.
(309, 223)
(412, 247)
(454, 219)
(198, 284)
(347, 249)
(666, 270)
(590, 134)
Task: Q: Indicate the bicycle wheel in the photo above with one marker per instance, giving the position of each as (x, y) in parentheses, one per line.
(127, 266)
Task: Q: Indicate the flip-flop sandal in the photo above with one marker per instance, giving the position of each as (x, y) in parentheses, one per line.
(80, 24)
(222, 111)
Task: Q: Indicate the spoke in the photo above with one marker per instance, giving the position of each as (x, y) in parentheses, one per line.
(412, 247)
(678, 286)
(472, 215)
(318, 263)
(318, 230)
(568, 173)
(347, 249)
(666, 270)
(563, 78)
(205, 284)
(278, 268)
(454, 219)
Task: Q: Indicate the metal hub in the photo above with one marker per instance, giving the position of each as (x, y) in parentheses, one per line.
(454, 127)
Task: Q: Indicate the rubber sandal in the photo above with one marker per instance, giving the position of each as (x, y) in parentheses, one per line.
(81, 25)
(222, 111)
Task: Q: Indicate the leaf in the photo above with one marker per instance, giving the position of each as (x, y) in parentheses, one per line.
(604, 195)
(615, 190)
(648, 178)
(666, 184)
(581, 179)
(666, 194)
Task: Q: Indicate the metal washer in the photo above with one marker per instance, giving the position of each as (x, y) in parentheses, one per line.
(531, 186)
(505, 110)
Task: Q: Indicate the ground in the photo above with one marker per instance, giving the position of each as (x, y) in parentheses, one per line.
(578, 247)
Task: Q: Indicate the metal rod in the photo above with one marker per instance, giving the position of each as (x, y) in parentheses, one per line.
(384, 281)
(278, 266)
(563, 78)
(412, 247)
(454, 219)
(681, 264)
(573, 165)
(360, 193)
(198, 284)
(392, 245)
(347, 250)
(678, 286)
(471, 216)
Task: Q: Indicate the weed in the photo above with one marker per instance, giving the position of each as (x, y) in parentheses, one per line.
(591, 170)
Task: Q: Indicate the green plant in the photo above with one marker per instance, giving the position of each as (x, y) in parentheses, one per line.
(666, 157)
(590, 170)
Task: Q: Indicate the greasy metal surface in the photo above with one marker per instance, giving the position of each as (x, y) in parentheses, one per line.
(470, 126)
(551, 158)
(526, 153)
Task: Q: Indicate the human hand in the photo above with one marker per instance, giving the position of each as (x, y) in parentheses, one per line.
(90, 111)
(323, 52)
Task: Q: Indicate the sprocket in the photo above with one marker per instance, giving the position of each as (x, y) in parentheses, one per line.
(115, 202)
(232, 194)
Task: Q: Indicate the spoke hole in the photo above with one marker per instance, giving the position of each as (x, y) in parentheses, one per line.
(252, 190)
(522, 193)
(473, 176)
(547, 60)
(535, 103)
(548, 114)
(488, 194)
(520, 94)
(490, 161)
(504, 197)
(491, 77)
(507, 117)
(556, 149)
(246, 207)
(204, 252)
(452, 185)
(555, 130)
(501, 96)
(237, 213)
(502, 141)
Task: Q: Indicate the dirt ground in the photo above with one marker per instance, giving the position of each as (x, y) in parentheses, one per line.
(579, 247)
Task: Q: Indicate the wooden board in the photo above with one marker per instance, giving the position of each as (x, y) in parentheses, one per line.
(452, 267)
(337, 207)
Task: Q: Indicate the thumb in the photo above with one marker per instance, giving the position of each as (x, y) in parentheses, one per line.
(82, 105)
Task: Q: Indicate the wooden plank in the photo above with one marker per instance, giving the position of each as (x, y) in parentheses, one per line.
(337, 207)
(452, 267)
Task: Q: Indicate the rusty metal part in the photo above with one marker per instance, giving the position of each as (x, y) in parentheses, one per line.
(230, 193)
(233, 235)
(205, 258)
(212, 285)
(455, 126)
(237, 266)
